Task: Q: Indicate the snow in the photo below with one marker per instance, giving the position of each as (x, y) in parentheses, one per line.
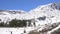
(49, 32)
(15, 30)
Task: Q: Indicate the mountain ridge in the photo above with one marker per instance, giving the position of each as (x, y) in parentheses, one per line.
(40, 11)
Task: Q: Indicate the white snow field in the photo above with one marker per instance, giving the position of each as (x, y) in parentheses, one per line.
(18, 30)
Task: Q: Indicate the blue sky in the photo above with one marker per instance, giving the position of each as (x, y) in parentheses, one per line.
(25, 5)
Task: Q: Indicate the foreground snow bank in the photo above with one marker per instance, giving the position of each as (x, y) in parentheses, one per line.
(15, 30)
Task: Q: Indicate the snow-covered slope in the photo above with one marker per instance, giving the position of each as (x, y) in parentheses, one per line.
(46, 16)
(6, 15)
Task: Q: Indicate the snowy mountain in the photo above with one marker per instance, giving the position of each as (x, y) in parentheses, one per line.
(47, 16)
(6, 15)
(44, 16)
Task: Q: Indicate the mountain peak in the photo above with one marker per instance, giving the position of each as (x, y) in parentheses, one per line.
(55, 3)
(55, 6)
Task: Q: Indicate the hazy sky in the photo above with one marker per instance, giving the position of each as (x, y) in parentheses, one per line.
(23, 4)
